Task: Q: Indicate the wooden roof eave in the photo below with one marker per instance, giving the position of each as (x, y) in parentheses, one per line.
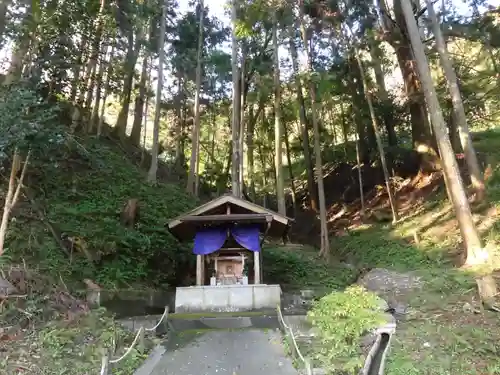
(228, 198)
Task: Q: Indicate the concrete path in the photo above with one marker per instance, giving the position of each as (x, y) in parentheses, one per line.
(238, 352)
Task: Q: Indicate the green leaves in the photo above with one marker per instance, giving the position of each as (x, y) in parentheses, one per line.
(342, 318)
(25, 119)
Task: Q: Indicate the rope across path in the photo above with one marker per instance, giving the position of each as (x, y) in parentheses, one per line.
(138, 340)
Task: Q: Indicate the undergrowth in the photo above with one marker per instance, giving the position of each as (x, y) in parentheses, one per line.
(81, 187)
(302, 268)
(341, 319)
(73, 347)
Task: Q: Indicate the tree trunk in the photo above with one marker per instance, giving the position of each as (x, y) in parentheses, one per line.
(140, 99)
(423, 141)
(156, 126)
(458, 107)
(344, 129)
(380, 146)
(473, 247)
(250, 150)
(21, 49)
(77, 65)
(382, 94)
(242, 118)
(13, 192)
(90, 75)
(130, 61)
(107, 88)
(94, 118)
(235, 127)
(290, 168)
(195, 139)
(306, 144)
(360, 178)
(278, 127)
(325, 242)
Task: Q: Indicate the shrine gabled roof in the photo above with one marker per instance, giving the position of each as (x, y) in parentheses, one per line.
(215, 213)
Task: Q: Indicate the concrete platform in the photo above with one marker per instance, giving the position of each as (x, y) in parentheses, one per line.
(202, 323)
(227, 298)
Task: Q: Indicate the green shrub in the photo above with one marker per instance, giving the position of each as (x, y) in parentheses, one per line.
(342, 318)
(302, 268)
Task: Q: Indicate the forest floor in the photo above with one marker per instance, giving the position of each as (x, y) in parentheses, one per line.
(446, 330)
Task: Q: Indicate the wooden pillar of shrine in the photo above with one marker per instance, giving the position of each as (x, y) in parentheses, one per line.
(200, 270)
(256, 267)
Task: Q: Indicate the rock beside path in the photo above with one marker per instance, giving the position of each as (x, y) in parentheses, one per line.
(394, 287)
(6, 288)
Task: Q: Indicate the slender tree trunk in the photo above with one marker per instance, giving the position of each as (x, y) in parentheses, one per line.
(235, 127)
(242, 118)
(76, 68)
(90, 76)
(382, 93)
(290, 168)
(195, 147)
(380, 146)
(146, 114)
(458, 106)
(473, 247)
(156, 126)
(21, 49)
(94, 119)
(250, 151)
(133, 49)
(325, 242)
(344, 129)
(278, 127)
(306, 144)
(360, 178)
(107, 88)
(140, 99)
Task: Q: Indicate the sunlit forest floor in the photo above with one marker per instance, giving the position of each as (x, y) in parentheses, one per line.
(446, 330)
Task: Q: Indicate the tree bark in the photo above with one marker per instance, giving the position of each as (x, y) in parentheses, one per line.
(458, 106)
(195, 146)
(107, 88)
(475, 254)
(325, 242)
(140, 99)
(236, 188)
(94, 119)
(306, 144)
(156, 126)
(380, 146)
(242, 118)
(278, 127)
(382, 94)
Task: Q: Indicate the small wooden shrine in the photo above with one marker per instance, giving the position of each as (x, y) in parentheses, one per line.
(228, 233)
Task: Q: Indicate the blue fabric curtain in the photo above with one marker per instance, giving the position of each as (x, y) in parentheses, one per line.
(247, 236)
(209, 240)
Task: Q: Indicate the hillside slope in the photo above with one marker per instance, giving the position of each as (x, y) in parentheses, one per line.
(70, 219)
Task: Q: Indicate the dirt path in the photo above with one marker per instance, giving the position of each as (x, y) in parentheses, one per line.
(240, 352)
